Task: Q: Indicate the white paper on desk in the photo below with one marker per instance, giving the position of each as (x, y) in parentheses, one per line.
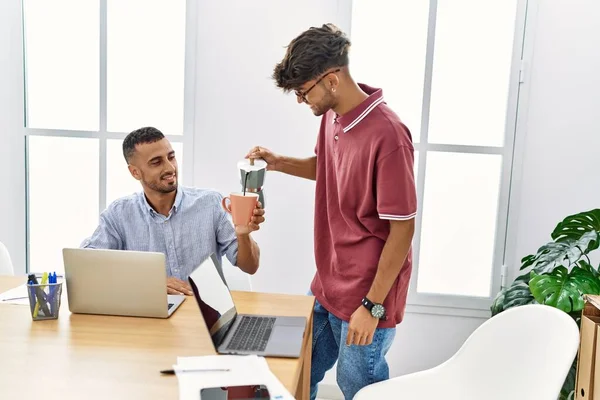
(16, 294)
(243, 370)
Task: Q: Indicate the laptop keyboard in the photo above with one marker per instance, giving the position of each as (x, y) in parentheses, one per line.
(252, 334)
(170, 305)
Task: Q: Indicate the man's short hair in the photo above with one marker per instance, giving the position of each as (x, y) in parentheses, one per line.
(140, 136)
(311, 54)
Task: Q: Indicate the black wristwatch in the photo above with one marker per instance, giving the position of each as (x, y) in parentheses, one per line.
(377, 310)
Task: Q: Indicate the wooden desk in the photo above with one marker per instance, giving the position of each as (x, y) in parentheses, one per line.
(102, 357)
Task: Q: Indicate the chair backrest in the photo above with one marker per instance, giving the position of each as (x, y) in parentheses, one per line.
(6, 267)
(522, 353)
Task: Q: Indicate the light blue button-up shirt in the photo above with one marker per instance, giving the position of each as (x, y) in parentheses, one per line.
(196, 227)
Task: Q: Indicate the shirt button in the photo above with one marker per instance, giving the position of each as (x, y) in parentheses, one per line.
(336, 137)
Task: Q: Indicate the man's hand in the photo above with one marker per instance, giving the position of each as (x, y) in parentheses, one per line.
(361, 327)
(254, 225)
(177, 286)
(302, 167)
(270, 158)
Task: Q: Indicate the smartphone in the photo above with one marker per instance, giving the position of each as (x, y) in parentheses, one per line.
(246, 392)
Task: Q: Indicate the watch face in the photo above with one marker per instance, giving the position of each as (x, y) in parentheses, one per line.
(378, 311)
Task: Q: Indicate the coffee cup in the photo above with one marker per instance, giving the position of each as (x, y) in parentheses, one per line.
(240, 206)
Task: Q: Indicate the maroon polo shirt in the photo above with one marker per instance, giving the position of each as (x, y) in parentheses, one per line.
(365, 178)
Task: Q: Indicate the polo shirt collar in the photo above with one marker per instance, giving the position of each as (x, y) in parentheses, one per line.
(358, 113)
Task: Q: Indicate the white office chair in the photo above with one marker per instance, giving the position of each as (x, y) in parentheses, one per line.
(522, 353)
(6, 267)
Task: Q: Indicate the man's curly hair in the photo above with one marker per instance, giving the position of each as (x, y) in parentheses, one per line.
(311, 54)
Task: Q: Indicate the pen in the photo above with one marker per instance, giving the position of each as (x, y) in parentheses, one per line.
(14, 298)
(41, 297)
(39, 301)
(31, 289)
(172, 371)
(51, 290)
(49, 296)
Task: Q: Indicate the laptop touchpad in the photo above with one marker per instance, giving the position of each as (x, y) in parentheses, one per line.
(289, 337)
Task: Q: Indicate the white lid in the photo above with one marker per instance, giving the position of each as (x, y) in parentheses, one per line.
(258, 165)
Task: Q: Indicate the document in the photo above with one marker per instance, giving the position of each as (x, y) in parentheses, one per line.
(197, 373)
(16, 295)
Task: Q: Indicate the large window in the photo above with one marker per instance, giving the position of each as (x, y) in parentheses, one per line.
(94, 71)
(450, 69)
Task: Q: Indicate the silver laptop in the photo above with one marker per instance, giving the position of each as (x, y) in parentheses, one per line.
(233, 333)
(118, 282)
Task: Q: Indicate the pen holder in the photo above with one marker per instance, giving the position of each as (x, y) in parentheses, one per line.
(44, 300)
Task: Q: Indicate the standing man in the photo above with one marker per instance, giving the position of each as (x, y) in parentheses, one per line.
(364, 211)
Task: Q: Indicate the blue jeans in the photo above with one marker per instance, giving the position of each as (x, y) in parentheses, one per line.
(358, 366)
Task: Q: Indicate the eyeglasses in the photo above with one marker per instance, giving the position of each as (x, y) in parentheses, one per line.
(303, 95)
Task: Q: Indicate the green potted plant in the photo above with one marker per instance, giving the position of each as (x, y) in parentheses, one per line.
(559, 274)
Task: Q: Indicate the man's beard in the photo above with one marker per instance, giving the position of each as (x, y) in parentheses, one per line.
(327, 104)
(163, 188)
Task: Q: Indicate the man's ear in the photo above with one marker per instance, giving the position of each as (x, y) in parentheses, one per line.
(333, 82)
(135, 172)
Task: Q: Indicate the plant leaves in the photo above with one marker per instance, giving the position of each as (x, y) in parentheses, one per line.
(554, 254)
(527, 261)
(575, 226)
(583, 264)
(563, 289)
(573, 238)
(517, 294)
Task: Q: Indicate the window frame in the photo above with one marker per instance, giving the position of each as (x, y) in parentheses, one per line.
(463, 305)
(103, 135)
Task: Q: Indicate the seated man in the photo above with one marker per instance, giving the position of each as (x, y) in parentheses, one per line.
(186, 224)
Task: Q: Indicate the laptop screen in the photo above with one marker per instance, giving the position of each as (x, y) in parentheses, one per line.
(215, 303)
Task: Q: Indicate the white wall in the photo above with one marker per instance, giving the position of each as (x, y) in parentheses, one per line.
(12, 150)
(560, 125)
